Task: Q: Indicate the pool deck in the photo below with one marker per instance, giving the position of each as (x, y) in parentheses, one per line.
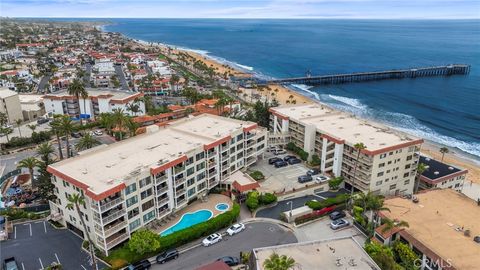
(211, 201)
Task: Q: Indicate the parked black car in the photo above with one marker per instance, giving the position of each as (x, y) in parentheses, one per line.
(294, 161)
(76, 134)
(167, 256)
(273, 160)
(337, 214)
(42, 121)
(280, 164)
(288, 157)
(304, 178)
(312, 172)
(140, 265)
(229, 260)
(10, 264)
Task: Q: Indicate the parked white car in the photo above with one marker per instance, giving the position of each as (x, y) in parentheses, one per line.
(321, 179)
(235, 228)
(212, 239)
(98, 132)
(339, 223)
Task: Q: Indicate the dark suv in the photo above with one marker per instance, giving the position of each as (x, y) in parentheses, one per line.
(167, 256)
(140, 265)
(304, 178)
(294, 161)
(337, 214)
(280, 164)
(273, 160)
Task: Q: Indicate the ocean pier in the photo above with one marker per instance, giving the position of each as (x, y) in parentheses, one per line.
(447, 70)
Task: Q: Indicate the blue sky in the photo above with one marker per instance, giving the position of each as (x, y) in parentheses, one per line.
(377, 9)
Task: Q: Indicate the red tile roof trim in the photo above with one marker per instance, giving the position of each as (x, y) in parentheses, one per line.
(167, 165)
(218, 142)
(252, 127)
(333, 139)
(67, 178)
(127, 99)
(105, 194)
(271, 110)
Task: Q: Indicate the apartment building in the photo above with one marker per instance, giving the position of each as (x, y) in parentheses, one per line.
(98, 101)
(131, 183)
(10, 105)
(441, 175)
(444, 229)
(387, 165)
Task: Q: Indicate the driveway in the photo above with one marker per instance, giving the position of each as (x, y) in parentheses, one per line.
(257, 234)
(121, 77)
(321, 230)
(37, 245)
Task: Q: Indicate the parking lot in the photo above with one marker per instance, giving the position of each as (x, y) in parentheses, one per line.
(280, 179)
(37, 245)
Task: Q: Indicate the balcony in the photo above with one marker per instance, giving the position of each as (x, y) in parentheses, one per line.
(161, 179)
(180, 191)
(179, 181)
(161, 190)
(179, 169)
(225, 157)
(117, 239)
(211, 165)
(111, 217)
(212, 154)
(108, 205)
(250, 144)
(162, 201)
(183, 200)
(110, 229)
(250, 152)
(163, 212)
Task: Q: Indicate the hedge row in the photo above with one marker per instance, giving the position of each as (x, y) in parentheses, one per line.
(297, 150)
(36, 138)
(255, 199)
(122, 256)
(314, 215)
(317, 205)
(17, 213)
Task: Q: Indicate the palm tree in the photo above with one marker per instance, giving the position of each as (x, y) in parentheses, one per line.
(134, 107)
(29, 163)
(74, 201)
(132, 126)
(45, 150)
(56, 128)
(106, 120)
(389, 224)
(84, 95)
(5, 131)
(76, 89)
(86, 142)
(359, 147)
(421, 168)
(444, 150)
(66, 128)
(32, 127)
(279, 262)
(18, 122)
(119, 120)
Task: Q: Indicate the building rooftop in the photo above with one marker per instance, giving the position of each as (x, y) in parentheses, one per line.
(437, 169)
(96, 92)
(107, 167)
(437, 221)
(324, 254)
(5, 93)
(345, 126)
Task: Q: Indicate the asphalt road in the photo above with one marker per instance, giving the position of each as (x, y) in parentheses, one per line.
(37, 244)
(258, 234)
(42, 83)
(121, 77)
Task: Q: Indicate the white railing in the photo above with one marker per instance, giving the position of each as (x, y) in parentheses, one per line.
(117, 240)
(111, 204)
(113, 216)
(115, 228)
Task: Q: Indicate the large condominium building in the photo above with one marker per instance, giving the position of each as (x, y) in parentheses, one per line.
(444, 229)
(10, 105)
(133, 182)
(98, 101)
(387, 165)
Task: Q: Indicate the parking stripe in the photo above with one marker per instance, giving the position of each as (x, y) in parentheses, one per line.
(23, 266)
(29, 224)
(41, 264)
(57, 258)
(15, 232)
(45, 228)
(83, 267)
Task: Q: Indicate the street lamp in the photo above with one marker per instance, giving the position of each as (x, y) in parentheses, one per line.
(291, 208)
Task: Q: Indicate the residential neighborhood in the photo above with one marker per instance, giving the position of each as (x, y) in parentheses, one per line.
(118, 153)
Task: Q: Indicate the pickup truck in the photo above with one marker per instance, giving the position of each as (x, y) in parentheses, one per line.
(10, 264)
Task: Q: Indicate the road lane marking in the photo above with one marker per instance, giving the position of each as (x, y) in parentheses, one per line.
(23, 266)
(15, 231)
(83, 267)
(41, 264)
(57, 258)
(45, 228)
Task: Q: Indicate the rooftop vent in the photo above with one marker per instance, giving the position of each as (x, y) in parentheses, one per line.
(427, 159)
(110, 181)
(436, 173)
(450, 168)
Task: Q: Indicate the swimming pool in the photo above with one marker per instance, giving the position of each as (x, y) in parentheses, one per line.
(222, 207)
(188, 220)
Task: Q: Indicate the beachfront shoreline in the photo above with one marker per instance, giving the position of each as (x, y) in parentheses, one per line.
(283, 94)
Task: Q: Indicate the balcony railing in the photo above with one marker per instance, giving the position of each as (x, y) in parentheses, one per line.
(114, 216)
(180, 191)
(115, 241)
(105, 206)
(179, 181)
(211, 165)
(163, 212)
(181, 201)
(179, 169)
(211, 154)
(109, 231)
(162, 201)
(161, 190)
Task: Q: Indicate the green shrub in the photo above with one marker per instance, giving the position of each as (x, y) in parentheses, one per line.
(17, 213)
(267, 198)
(338, 200)
(335, 182)
(257, 175)
(297, 150)
(36, 138)
(252, 203)
(123, 255)
(315, 160)
(405, 256)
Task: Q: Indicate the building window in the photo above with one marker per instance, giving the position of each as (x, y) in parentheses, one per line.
(409, 158)
(201, 186)
(135, 224)
(406, 182)
(145, 181)
(131, 201)
(191, 191)
(394, 186)
(240, 137)
(146, 193)
(200, 166)
(383, 156)
(189, 161)
(379, 174)
(190, 181)
(190, 171)
(200, 176)
(381, 165)
(132, 213)
(405, 174)
(149, 216)
(147, 205)
(378, 183)
(131, 188)
(200, 156)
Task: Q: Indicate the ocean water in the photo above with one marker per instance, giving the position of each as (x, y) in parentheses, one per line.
(441, 109)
